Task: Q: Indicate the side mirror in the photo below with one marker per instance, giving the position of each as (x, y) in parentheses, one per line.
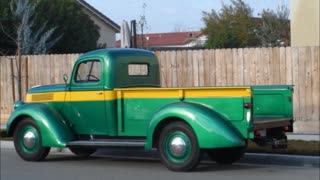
(65, 78)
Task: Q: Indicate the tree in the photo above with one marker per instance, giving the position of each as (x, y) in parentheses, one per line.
(231, 28)
(142, 27)
(80, 34)
(23, 37)
(7, 46)
(274, 30)
(29, 41)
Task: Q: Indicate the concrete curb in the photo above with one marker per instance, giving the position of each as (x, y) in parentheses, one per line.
(303, 137)
(249, 158)
(282, 160)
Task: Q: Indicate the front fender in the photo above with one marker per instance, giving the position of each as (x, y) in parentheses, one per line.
(211, 129)
(54, 131)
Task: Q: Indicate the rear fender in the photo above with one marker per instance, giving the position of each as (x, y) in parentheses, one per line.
(211, 129)
(54, 131)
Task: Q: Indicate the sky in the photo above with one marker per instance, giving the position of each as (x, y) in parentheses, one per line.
(171, 15)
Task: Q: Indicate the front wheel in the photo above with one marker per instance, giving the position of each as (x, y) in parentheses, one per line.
(178, 147)
(27, 141)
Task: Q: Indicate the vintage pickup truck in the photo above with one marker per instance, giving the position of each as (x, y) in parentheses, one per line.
(106, 103)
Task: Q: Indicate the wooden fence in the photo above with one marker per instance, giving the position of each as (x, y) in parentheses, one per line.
(222, 67)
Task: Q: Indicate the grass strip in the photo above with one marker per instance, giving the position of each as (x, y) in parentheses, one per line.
(295, 147)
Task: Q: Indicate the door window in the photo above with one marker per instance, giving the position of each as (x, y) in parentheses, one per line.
(88, 71)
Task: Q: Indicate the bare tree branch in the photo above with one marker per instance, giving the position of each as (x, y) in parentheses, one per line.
(7, 34)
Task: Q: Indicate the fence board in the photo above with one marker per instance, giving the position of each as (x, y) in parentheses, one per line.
(195, 65)
(282, 63)
(179, 69)
(275, 62)
(289, 72)
(212, 68)
(296, 95)
(302, 82)
(189, 81)
(223, 67)
(218, 67)
(163, 65)
(240, 66)
(246, 66)
(173, 67)
(308, 90)
(200, 59)
(229, 67)
(252, 66)
(185, 72)
(315, 58)
(206, 67)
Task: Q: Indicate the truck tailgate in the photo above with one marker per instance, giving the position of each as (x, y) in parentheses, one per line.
(272, 106)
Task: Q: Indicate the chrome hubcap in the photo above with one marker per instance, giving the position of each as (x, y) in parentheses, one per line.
(29, 139)
(177, 147)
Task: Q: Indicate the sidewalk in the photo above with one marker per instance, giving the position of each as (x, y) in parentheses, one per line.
(304, 137)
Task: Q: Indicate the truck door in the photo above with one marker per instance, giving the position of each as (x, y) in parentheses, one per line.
(87, 98)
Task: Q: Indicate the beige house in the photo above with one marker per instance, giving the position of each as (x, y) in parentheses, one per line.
(305, 22)
(108, 28)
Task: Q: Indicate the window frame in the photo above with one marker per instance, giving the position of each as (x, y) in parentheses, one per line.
(77, 82)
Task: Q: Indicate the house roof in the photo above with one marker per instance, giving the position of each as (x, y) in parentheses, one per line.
(104, 18)
(167, 39)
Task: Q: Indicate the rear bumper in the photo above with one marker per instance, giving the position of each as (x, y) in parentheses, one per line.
(273, 123)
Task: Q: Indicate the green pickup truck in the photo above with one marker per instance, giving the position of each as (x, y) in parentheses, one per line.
(114, 99)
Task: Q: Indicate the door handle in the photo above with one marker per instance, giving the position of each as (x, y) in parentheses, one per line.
(99, 93)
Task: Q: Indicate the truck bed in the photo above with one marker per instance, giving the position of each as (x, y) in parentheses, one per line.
(140, 104)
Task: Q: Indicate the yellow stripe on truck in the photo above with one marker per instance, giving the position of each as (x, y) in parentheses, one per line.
(72, 96)
(139, 93)
(185, 92)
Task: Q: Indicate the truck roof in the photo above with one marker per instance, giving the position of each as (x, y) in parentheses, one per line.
(115, 52)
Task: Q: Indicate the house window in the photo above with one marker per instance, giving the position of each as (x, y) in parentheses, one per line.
(138, 69)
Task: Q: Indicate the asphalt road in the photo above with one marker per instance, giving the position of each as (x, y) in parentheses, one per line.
(66, 166)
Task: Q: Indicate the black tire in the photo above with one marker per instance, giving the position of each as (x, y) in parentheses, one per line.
(28, 141)
(226, 155)
(183, 159)
(82, 152)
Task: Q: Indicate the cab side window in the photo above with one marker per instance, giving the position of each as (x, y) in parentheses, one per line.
(88, 71)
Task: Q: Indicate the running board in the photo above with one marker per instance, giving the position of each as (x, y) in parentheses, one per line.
(108, 143)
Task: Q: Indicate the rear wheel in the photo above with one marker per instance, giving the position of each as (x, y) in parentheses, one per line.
(27, 141)
(82, 152)
(178, 147)
(226, 155)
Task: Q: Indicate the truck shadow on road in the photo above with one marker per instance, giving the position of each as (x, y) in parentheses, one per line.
(146, 160)
(212, 166)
